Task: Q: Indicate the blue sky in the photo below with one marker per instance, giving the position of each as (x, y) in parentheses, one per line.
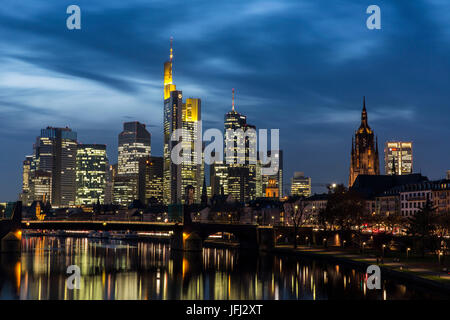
(300, 66)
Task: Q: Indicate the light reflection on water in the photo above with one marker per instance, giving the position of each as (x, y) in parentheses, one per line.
(144, 270)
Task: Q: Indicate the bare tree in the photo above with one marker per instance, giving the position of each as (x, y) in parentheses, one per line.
(295, 210)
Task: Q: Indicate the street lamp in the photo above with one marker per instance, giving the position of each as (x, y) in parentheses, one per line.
(363, 247)
(383, 246)
(407, 252)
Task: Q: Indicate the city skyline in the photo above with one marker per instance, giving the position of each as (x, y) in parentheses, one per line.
(330, 119)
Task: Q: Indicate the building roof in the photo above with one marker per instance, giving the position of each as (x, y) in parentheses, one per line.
(370, 186)
(436, 185)
(317, 197)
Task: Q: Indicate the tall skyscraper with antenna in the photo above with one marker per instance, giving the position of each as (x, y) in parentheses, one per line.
(236, 175)
(186, 116)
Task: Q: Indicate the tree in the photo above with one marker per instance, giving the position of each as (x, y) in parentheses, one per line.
(392, 220)
(421, 225)
(2, 211)
(295, 208)
(443, 224)
(345, 208)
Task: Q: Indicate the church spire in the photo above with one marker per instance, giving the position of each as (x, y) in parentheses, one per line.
(364, 114)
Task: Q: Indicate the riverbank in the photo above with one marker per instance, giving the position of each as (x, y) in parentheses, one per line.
(420, 273)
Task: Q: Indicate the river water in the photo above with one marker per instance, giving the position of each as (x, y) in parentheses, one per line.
(112, 269)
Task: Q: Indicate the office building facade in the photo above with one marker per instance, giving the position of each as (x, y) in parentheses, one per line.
(55, 153)
(134, 145)
(398, 158)
(91, 174)
(185, 116)
(300, 185)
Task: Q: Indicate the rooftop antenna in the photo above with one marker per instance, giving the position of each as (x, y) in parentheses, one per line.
(171, 49)
(232, 99)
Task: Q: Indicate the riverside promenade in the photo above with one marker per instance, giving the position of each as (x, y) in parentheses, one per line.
(425, 271)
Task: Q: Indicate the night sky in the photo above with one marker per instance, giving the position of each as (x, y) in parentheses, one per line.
(300, 66)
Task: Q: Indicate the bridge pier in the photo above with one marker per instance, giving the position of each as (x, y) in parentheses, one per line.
(10, 233)
(184, 241)
(11, 243)
(265, 238)
(258, 238)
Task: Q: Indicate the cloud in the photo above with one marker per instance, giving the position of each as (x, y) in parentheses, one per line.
(301, 66)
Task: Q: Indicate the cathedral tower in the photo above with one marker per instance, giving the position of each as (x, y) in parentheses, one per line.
(364, 156)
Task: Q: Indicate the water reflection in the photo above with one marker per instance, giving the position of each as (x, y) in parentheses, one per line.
(119, 270)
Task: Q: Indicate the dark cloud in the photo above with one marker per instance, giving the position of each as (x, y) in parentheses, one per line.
(301, 66)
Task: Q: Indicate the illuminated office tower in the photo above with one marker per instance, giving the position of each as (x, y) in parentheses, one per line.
(134, 143)
(173, 111)
(152, 177)
(109, 182)
(55, 152)
(41, 186)
(241, 161)
(186, 116)
(192, 170)
(398, 158)
(91, 174)
(300, 185)
(218, 172)
(219, 169)
(26, 195)
(125, 189)
(258, 180)
(235, 148)
(275, 179)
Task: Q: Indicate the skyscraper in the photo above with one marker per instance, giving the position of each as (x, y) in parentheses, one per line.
(134, 144)
(153, 179)
(218, 172)
(192, 170)
(41, 186)
(398, 158)
(185, 116)
(240, 156)
(91, 173)
(26, 195)
(300, 185)
(55, 153)
(364, 156)
(111, 171)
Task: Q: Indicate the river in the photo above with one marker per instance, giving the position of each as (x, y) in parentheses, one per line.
(112, 269)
